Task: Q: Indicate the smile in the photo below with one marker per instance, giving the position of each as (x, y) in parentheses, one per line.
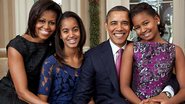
(44, 32)
(119, 34)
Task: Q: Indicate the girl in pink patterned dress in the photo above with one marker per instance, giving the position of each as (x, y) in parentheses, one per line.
(149, 63)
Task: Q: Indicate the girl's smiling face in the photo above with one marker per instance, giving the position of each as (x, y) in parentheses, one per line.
(70, 32)
(146, 26)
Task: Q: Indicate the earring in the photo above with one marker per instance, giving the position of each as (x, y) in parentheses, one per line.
(158, 23)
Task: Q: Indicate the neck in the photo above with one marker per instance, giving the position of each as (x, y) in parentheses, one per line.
(71, 52)
(73, 58)
(31, 39)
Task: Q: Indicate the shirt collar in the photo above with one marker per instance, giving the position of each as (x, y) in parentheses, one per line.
(115, 48)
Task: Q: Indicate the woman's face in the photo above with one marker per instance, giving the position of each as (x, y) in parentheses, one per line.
(70, 32)
(45, 25)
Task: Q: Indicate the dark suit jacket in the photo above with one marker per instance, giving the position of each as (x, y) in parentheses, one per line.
(98, 78)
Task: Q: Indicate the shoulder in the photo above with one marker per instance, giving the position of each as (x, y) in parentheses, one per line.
(104, 46)
(178, 50)
(18, 44)
(129, 46)
(129, 49)
(50, 60)
(50, 64)
(18, 40)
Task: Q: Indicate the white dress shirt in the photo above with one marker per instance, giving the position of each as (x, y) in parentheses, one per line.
(115, 49)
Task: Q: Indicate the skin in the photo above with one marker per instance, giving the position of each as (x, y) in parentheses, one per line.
(44, 27)
(161, 96)
(146, 28)
(17, 70)
(70, 35)
(118, 27)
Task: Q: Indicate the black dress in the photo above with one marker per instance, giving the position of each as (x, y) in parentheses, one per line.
(33, 54)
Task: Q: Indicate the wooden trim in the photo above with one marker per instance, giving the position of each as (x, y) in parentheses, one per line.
(3, 53)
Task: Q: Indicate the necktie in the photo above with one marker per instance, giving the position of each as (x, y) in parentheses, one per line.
(118, 61)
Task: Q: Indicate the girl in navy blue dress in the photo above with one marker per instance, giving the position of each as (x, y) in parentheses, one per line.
(60, 71)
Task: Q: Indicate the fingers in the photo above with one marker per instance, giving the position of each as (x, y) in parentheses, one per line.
(149, 101)
(145, 101)
(157, 100)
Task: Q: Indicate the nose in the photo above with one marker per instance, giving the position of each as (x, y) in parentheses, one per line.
(143, 29)
(46, 25)
(119, 27)
(70, 33)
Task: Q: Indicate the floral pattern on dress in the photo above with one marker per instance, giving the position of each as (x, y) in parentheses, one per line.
(152, 67)
(58, 82)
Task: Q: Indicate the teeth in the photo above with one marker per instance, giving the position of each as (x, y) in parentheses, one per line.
(72, 41)
(44, 32)
(119, 34)
(145, 35)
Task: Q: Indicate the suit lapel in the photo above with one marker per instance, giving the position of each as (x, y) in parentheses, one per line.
(108, 61)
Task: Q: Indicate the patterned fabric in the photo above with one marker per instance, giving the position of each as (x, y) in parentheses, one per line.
(152, 68)
(58, 82)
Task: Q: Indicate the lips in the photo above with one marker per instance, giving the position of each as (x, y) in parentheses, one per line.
(44, 32)
(145, 35)
(119, 34)
(72, 41)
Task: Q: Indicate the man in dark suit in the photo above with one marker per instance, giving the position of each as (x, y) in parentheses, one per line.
(99, 78)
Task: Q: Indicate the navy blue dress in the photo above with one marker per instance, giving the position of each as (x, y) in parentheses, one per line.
(57, 81)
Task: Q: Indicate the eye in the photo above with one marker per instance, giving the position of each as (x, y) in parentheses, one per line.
(41, 21)
(113, 23)
(65, 31)
(76, 29)
(145, 23)
(51, 23)
(126, 23)
(136, 28)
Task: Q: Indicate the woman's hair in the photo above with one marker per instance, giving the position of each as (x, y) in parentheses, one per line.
(145, 7)
(59, 44)
(37, 10)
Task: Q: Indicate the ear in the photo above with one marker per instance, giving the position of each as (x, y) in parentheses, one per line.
(157, 19)
(106, 26)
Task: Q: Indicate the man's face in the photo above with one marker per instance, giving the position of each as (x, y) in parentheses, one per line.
(118, 27)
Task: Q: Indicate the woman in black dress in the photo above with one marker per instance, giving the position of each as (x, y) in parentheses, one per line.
(26, 54)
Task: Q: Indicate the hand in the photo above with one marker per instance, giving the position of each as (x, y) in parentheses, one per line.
(148, 101)
(161, 99)
(145, 101)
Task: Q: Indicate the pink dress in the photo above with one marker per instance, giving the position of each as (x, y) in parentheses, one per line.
(152, 68)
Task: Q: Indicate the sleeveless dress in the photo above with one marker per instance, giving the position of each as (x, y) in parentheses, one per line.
(152, 67)
(57, 81)
(33, 54)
